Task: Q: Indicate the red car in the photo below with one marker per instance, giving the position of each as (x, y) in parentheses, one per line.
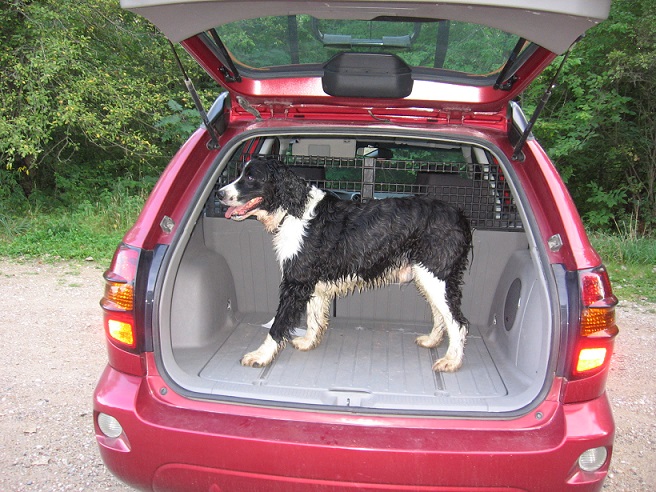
(365, 101)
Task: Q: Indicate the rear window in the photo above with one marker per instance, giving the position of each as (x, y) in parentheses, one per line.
(293, 42)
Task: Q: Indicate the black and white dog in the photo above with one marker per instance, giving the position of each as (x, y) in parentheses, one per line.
(327, 247)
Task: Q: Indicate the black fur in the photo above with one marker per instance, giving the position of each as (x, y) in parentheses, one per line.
(346, 239)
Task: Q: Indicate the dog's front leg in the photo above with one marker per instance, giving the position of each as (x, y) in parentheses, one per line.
(318, 313)
(264, 355)
(293, 299)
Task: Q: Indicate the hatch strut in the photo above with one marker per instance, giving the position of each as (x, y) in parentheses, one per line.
(517, 151)
(214, 138)
(225, 57)
(441, 43)
(292, 35)
(501, 82)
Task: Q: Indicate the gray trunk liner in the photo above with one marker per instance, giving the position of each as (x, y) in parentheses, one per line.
(359, 363)
(223, 286)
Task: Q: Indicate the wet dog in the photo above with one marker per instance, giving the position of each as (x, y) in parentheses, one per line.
(327, 247)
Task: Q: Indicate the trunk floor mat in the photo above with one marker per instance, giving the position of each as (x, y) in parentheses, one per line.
(359, 363)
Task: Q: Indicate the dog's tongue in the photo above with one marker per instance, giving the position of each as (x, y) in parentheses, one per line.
(230, 211)
(242, 209)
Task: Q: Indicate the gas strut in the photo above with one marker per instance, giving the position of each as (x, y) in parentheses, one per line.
(517, 151)
(214, 138)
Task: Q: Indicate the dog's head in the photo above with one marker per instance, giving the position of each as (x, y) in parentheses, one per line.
(264, 187)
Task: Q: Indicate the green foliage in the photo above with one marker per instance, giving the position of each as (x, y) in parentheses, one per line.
(600, 125)
(179, 124)
(631, 264)
(91, 229)
(83, 84)
(603, 206)
(633, 282)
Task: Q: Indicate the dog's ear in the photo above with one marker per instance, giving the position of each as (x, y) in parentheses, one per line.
(291, 191)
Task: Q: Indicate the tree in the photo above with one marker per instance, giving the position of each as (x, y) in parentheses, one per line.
(600, 125)
(83, 86)
(632, 68)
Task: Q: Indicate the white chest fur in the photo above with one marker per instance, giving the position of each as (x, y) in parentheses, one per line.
(288, 239)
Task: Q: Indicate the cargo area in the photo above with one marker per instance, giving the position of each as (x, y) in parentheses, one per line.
(221, 293)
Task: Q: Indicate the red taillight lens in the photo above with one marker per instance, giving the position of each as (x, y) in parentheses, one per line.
(597, 323)
(595, 286)
(118, 301)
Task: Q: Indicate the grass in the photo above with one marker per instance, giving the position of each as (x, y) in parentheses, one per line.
(88, 231)
(631, 264)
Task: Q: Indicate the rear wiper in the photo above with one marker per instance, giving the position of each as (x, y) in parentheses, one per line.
(501, 82)
(225, 58)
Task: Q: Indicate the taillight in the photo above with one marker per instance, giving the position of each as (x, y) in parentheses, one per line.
(597, 328)
(118, 301)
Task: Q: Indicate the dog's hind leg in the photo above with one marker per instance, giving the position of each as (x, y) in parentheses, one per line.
(437, 333)
(434, 290)
(318, 309)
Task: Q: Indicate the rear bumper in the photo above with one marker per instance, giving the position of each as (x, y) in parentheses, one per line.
(173, 443)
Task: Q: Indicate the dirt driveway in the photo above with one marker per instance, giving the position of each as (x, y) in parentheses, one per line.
(53, 352)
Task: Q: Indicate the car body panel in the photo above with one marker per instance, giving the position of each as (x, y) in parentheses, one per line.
(323, 451)
(299, 90)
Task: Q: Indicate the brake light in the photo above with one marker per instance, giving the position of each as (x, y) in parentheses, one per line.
(591, 358)
(592, 339)
(597, 323)
(121, 331)
(118, 301)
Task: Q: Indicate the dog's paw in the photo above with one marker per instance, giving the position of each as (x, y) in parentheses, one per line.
(447, 365)
(427, 341)
(264, 355)
(254, 359)
(303, 343)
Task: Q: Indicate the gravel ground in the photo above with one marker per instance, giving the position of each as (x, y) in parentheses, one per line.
(53, 352)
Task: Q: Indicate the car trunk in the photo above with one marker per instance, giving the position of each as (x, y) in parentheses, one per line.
(220, 290)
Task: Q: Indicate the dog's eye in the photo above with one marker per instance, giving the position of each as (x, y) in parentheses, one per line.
(249, 178)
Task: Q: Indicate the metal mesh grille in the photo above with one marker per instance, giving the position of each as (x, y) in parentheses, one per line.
(480, 190)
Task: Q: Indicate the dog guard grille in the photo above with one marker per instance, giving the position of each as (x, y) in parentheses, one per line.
(480, 190)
